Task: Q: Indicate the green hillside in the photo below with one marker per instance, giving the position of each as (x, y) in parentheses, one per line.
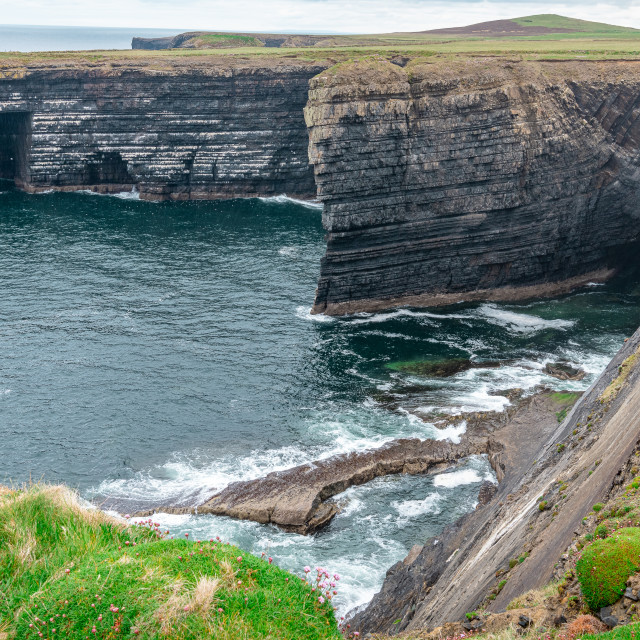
(553, 21)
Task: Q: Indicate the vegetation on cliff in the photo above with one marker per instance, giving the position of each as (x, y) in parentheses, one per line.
(71, 572)
(605, 567)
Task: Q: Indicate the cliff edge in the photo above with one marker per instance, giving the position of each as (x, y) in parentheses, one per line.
(472, 178)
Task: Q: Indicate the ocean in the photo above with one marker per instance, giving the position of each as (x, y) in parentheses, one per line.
(47, 38)
(155, 352)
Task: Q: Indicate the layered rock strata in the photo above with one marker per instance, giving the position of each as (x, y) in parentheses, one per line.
(535, 514)
(173, 129)
(472, 179)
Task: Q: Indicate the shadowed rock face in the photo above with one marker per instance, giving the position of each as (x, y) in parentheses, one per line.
(571, 466)
(480, 179)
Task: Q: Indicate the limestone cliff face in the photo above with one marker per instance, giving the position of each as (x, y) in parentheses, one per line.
(174, 130)
(570, 467)
(474, 179)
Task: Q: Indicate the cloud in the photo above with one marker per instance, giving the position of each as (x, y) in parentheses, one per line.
(331, 16)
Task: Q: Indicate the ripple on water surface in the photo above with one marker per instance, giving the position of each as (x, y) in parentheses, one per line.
(156, 352)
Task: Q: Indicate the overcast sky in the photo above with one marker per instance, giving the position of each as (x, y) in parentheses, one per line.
(338, 16)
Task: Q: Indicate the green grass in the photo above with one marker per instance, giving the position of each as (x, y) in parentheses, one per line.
(567, 399)
(74, 570)
(606, 565)
(627, 632)
(228, 39)
(555, 21)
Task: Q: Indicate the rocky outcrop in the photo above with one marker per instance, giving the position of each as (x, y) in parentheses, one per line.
(472, 179)
(297, 499)
(550, 484)
(171, 128)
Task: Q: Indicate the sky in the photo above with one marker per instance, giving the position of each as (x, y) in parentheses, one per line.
(330, 16)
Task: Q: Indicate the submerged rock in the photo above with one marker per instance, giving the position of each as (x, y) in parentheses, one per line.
(564, 371)
(440, 368)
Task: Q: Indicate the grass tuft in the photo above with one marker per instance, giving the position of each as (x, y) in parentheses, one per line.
(86, 574)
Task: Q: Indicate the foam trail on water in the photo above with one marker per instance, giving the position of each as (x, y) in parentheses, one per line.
(134, 194)
(520, 322)
(283, 199)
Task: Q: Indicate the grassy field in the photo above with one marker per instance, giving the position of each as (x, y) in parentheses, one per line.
(69, 572)
(588, 40)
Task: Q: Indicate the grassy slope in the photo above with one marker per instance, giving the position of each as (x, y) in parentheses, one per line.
(562, 22)
(68, 572)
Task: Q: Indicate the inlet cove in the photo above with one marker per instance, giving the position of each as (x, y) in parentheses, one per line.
(322, 336)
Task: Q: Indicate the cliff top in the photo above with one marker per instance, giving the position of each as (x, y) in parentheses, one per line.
(537, 37)
(345, 65)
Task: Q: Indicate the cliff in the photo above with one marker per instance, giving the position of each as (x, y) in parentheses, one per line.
(536, 513)
(173, 129)
(472, 179)
(442, 180)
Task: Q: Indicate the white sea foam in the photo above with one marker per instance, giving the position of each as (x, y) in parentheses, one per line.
(134, 194)
(282, 199)
(289, 252)
(520, 322)
(413, 508)
(457, 478)
(304, 313)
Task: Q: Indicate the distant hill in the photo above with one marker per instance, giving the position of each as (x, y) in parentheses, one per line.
(543, 24)
(515, 32)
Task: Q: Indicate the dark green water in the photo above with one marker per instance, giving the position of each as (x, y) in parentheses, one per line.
(157, 352)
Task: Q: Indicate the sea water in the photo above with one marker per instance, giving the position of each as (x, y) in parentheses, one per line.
(156, 352)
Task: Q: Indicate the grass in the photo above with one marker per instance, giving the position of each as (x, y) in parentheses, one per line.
(627, 632)
(86, 574)
(624, 370)
(606, 565)
(566, 399)
(226, 39)
(555, 21)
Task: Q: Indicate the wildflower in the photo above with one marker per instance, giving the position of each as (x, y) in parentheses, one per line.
(270, 559)
(186, 607)
(186, 535)
(239, 558)
(67, 571)
(220, 610)
(321, 600)
(100, 618)
(307, 569)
